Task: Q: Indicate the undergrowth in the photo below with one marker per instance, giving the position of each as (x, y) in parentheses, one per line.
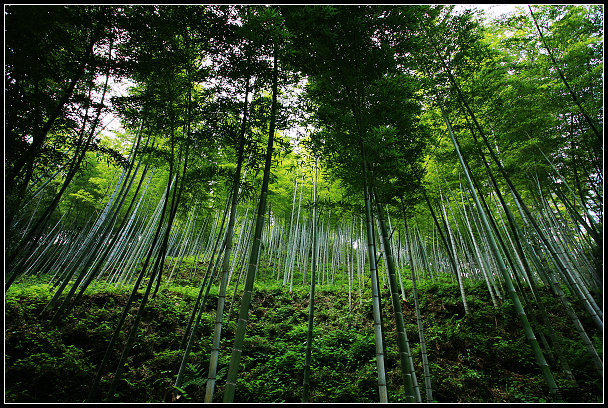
(480, 357)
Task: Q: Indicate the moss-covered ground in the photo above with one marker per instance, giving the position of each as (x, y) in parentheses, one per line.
(480, 357)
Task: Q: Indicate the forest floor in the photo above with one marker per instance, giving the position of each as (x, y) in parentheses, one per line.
(480, 357)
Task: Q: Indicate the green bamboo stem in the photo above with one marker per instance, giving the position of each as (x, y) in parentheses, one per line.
(376, 306)
(540, 359)
(217, 331)
(480, 259)
(255, 251)
(311, 301)
(425, 362)
(455, 256)
(407, 364)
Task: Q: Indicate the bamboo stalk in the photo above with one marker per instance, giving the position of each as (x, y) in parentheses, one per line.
(540, 359)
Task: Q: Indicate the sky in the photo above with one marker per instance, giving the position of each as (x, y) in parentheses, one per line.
(492, 10)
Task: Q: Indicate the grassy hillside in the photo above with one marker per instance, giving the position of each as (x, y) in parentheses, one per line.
(482, 357)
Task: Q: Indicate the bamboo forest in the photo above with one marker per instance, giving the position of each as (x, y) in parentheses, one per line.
(303, 203)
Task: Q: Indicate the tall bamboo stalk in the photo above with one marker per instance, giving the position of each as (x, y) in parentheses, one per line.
(376, 305)
(311, 301)
(540, 359)
(425, 362)
(217, 331)
(455, 257)
(407, 364)
(255, 250)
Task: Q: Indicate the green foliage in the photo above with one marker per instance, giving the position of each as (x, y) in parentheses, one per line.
(482, 357)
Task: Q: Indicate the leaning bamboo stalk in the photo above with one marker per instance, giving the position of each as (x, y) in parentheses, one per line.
(255, 251)
(480, 259)
(540, 264)
(89, 247)
(526, 270)
(95, 386)
(156, 270)
(217, 331)
(97, 266)
(407, 364)
(291, 233)
(457, 264)
(241, 244)
(521, 205)
(398, 260)
(124, 234)
(566, 247)
(425, 362)
(311, 301)
(241, 267)
(540, 359)
(13, 262)
(597, 361)
(189, 333)
(566, 271)
(376, 306)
